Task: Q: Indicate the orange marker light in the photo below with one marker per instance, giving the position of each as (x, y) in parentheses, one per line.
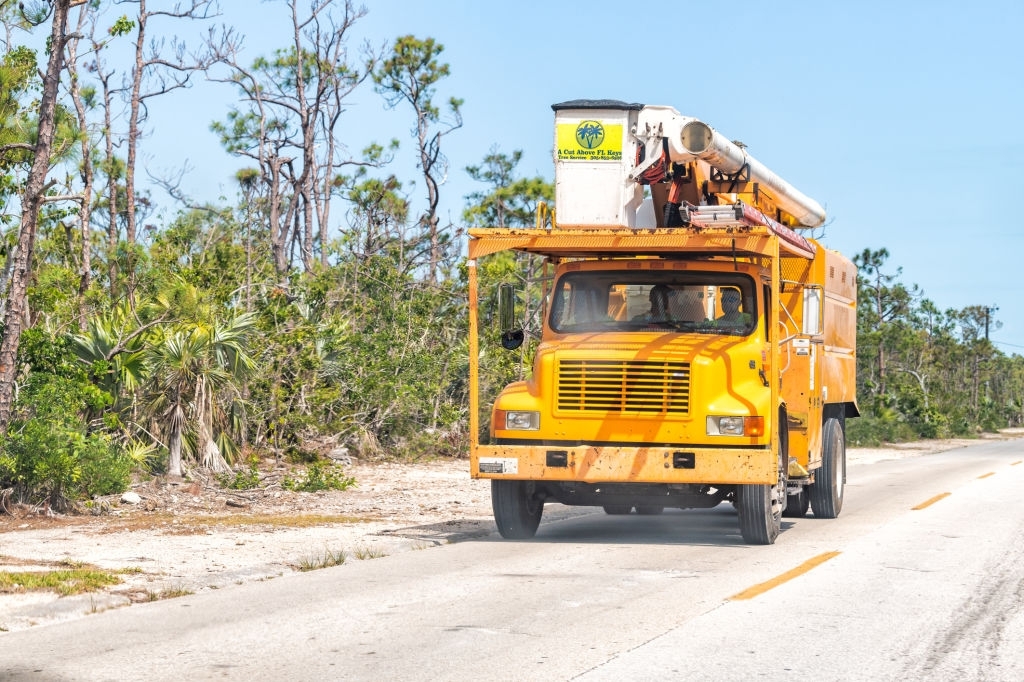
(753, 426)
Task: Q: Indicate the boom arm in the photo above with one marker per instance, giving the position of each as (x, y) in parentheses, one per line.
(689, 139)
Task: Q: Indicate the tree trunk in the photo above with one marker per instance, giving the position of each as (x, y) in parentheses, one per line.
(31, 202)
(112, 206)
(133, 135)
(175, 428)
(87, 177)
(174, 448)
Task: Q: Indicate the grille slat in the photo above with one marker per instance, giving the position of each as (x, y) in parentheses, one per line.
(623, 386)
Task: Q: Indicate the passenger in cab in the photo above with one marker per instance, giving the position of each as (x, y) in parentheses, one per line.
(732, 317)
(659, 305)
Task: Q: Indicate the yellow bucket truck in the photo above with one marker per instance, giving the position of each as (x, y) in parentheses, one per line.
(696, 347)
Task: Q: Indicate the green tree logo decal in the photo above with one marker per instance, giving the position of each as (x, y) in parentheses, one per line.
(590, 134)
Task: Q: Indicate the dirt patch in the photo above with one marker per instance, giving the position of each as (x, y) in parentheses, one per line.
(188, 536)
(184, 537)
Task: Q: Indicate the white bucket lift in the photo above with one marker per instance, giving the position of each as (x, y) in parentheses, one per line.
(595, 150)
(598, 168)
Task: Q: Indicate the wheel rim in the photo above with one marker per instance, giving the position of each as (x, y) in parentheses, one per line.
(778, 497)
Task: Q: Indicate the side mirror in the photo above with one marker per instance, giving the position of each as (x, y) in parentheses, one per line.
(511, 337)
(813, 301)
(511, 340)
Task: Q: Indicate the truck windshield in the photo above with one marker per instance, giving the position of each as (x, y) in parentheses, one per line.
(643, 301)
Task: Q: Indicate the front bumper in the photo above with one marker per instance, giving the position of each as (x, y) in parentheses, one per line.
(626, 464)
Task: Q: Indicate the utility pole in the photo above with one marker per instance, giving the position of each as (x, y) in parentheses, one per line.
(988, 312)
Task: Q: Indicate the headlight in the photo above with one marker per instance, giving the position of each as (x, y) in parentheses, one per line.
(520, 420)
(735, 426)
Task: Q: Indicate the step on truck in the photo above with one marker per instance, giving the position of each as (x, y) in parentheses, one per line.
(697, 347)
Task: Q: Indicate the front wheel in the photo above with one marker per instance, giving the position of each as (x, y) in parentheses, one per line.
(760, 513)
(827, 490)
(760, 507)
(517, 508)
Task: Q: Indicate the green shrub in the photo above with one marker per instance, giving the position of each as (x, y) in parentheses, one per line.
(49, 455)
(243, 479)
(318, 477)
(105, 468)
(868, 431)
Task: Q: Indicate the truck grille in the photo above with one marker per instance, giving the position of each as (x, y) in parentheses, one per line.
(623, 386)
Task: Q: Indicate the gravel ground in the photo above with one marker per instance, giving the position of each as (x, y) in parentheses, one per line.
(189, 536)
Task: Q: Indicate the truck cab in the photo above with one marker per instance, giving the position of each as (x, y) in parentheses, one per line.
(644, 352)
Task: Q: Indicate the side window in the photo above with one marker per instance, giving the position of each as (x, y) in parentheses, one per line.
(559, 302)
(578, 305)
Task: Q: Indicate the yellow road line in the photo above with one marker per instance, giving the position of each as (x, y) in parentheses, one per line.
(928, 503)
(752, 592)
(991, 473)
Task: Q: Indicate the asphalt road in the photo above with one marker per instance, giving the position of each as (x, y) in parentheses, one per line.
(885, 592)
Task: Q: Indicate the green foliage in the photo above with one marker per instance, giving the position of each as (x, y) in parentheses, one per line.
(65, 582)
(47, 353)
(31, 13)
(318, 477)
(17, 73)
(923, 372)
(509, 202)
(105, 469)
(200, 250)
(17, 69)
(17, 77)
(365, 351)
(412, 72)
(194, 372)
(55, 291)
(122, 26)
(112, 351)
(247, 478)
(48, 454)
(380, 208)
(871, 430)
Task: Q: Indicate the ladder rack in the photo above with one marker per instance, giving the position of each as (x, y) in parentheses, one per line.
(743, 215)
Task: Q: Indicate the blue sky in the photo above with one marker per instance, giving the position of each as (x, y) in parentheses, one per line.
(903, 118)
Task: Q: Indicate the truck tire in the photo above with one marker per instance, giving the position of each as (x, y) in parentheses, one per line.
(760, 507)
(517, 510)
(827, 490)
(760, 520)
(617, 509)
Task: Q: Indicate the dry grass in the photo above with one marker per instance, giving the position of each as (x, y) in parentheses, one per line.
(278, 521)
(363, 553)
(325, 560)
(169, 593)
